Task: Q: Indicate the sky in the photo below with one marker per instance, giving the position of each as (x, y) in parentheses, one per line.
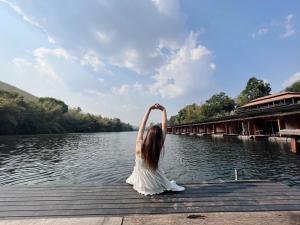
(116, 58)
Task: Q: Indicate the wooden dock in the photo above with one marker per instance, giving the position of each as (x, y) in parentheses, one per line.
(120, 200)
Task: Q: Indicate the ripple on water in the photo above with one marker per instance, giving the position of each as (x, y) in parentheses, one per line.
(109, 158)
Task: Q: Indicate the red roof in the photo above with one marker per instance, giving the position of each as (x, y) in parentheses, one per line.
(273, 97)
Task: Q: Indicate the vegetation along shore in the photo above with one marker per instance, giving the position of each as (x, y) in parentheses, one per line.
(23, 113)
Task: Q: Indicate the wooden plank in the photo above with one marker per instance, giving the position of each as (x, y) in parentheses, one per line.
(66, 221)
(108, 193)
(129, 188)
(123, 200)
(194, 189)
(64, 207)
(234, 218)
(117, 189)
(128, 211)
(136, 196)
(120, 185)
(130, 201)
(133, 194)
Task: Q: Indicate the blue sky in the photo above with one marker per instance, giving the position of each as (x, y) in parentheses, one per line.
(115, 58)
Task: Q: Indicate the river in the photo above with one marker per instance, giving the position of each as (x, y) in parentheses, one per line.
(106, 158)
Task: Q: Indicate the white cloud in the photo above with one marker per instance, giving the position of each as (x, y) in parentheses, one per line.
(104, 38)
(91, 58)
(27, 18)
(168, 7)
(58, 52)
(21, 64)
(261, 31)
(187, 72)
(40, 62)
(274, 25)
(20, 12)
(138, 87)
(213, 66)
(51, 40)
(128, 59)
(289, 27)
(292, 79)
(44, 66)
(96, 93)
(124, 89)
(124, 36)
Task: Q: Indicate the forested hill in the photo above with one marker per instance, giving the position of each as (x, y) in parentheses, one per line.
(23, 113)
(10, 88)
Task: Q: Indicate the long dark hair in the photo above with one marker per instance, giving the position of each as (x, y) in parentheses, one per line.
(152, 146)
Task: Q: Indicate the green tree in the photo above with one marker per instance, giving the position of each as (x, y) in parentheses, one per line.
(295, 87)
(218, 105)
(53, 105)
(254, 89)
(172, 121)
(190, 113)
(49, 115)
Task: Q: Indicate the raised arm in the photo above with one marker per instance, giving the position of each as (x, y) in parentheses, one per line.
(164, 123)
(143, 124)
(164, 120)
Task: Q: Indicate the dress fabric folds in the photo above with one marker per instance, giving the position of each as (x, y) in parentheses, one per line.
(150, 182)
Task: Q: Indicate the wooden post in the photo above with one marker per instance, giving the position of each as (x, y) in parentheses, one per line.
(294, 145)
(279, 128)
(254, 128)
(249, 128)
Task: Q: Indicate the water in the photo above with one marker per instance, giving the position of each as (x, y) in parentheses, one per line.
(109, 158)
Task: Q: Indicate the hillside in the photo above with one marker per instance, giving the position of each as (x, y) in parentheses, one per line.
(46, 115)
(10, 88)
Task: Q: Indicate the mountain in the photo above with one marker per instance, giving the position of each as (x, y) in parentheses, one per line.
(27, 96)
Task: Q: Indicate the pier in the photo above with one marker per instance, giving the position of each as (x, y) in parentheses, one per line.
(38, 201)
(276, 116)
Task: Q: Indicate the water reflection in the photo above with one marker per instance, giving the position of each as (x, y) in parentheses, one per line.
(109, 158)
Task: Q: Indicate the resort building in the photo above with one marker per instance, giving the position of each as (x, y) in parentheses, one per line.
(274, 116)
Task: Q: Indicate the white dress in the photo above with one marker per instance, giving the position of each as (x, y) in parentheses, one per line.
(150, 182)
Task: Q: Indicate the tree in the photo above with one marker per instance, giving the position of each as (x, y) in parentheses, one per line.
(49, 115)
(172, 121)
(254, 89)
(295, 87)
(190, 113)
(218, 105)
(53, 105)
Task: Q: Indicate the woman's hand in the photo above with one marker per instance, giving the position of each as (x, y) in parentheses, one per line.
(153, 107)
(157, 106)
(160, 107)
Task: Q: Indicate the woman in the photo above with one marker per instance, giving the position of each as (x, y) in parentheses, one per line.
(147, 177)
